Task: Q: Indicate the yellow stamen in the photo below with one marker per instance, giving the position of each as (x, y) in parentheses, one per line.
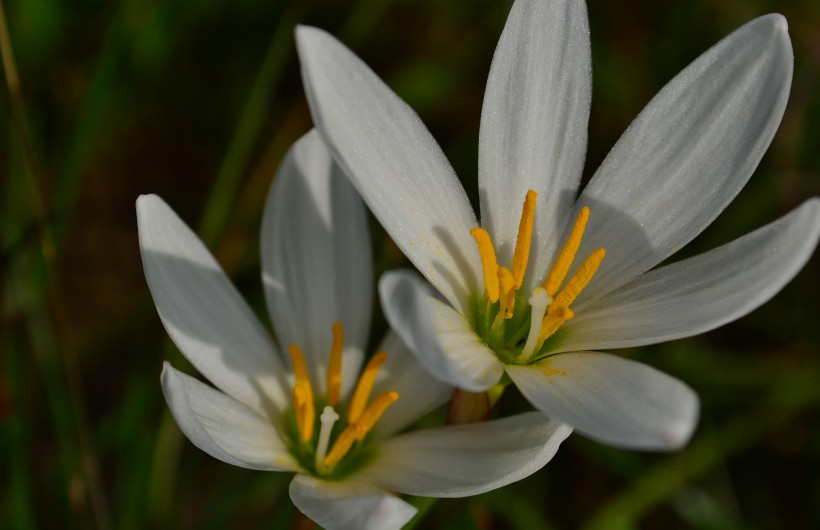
(343, 444)
(522, 242)
(580, 280)
(507, 287)
(488, 261)
(375, 410)
(556, 316)
(562, 264)
(303, 408)
(364, 387)
(303, 381)
(356, 431)
(334, 366)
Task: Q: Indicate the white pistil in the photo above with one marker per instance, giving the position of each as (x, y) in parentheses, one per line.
(328, 418)
(539, 301)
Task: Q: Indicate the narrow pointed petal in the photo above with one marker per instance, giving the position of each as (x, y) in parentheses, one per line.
(223, 427)
(204, 314)
(700, 293)
(688, 153)
(443, 341)
(534, 124)
(419, 392)
(347, 504)
(316, 259)
(613, 400)
(463, 460)
(394, 162)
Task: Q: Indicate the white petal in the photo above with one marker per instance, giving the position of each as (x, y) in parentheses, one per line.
(419, 392)
(223, 427)
(700, 293)
(534, 125)
(349, 505)
(610, 399)
(464, 460)
(442, 339)
(394, 162)
(316, 259)
(204, 314)
(688, 153)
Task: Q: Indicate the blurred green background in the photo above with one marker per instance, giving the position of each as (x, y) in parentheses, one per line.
(197, 101)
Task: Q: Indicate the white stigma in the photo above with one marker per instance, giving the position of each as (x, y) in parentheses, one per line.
(539, 301)
(328, 418)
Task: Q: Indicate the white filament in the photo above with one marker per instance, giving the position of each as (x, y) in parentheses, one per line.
(539, 301)
(328, 418)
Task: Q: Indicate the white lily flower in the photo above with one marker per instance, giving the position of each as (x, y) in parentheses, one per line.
(515, 300)
(311, 413)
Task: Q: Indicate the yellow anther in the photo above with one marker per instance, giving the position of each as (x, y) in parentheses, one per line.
(374, 411)
(343, 444)
(488, 261)
(364, 387)
(507, 287)
(334, 366)
(356, 431)
(304, 412)
(554, 319)
(524, 239)
(562, 264)
(303, 381)
(580, 280)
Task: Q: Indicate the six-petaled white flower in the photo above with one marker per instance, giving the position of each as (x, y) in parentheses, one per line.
(311, 413)
(532, 288)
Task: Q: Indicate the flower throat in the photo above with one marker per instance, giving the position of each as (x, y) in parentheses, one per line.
(515, 327)
(315, 452)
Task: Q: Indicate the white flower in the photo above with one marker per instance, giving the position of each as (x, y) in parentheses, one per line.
(518, 302)
(317, 273)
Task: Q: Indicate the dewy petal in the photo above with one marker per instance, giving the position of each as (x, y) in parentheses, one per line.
(419, 392)
(610, 399)
(204, 314)
(442, 339)
(688, 153)
(347, 504)
(463, 460)
(700, 293)
(394, 162)
(223, 427)
(534, 125)
(316, 259)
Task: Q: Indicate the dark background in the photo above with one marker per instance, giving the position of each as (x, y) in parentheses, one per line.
(197, 100)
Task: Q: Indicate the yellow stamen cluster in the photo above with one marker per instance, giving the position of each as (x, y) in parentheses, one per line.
(356, 431)
(559, 311)
(502, 283)
(361, 417)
